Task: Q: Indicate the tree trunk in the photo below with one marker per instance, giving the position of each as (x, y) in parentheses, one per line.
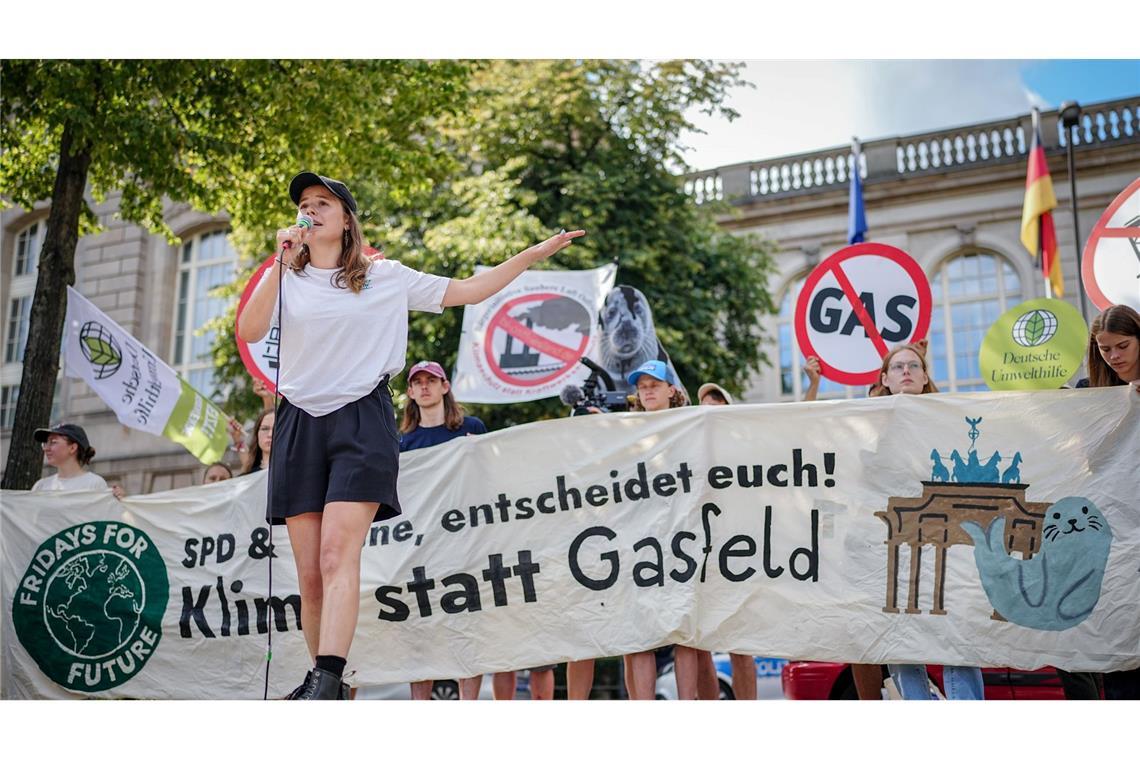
(49, 307)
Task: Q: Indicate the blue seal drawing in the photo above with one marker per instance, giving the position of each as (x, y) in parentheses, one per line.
(1060, 586)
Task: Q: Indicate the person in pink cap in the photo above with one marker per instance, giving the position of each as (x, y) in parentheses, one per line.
(432, 415)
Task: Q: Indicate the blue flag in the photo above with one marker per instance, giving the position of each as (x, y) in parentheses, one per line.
(856, 218)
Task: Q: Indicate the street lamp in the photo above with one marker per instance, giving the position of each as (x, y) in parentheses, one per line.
(1070, 119)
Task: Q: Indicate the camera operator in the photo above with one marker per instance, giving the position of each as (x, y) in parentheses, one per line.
(591, 399)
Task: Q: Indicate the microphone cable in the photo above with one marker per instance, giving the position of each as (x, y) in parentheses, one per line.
(269, 483)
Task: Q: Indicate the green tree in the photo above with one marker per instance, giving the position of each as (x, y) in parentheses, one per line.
(593, 144)
(220, 135)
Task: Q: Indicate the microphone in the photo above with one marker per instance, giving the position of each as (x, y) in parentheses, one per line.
(571, 395)
(304, 222)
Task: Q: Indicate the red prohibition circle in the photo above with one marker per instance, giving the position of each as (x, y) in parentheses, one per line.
(503, 321)
(831, 264)
(1099, 231)
(243, 348)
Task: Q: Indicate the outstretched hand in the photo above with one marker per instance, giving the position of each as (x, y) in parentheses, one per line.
(556, 243)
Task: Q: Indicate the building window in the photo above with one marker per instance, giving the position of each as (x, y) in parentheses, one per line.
(28, 245)
(971, 290)
(206, 262)
(9, 394)
(793, 381)
(19, 315)
(18, 309)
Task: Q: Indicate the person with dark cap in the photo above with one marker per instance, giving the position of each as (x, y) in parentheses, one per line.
(344, 333)
(67, 450)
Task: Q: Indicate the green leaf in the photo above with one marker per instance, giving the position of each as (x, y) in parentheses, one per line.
(1035, 328)
(101, 352)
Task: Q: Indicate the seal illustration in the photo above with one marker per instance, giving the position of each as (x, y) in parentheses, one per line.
(1059, 587)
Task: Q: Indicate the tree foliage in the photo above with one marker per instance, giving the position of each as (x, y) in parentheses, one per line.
(564, 144)
(218, 135)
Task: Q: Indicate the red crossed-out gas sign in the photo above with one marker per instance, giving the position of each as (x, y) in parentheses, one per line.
(527, 369)
(858, 303)
(1110, 267)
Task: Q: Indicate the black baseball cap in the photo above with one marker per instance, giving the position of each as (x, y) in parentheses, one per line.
(307, 179)
(74, 432)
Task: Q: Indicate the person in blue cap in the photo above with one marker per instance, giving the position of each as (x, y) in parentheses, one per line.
(658, 390)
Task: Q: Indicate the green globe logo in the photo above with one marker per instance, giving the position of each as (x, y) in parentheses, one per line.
(100, 348)
(89, 607)
(1034, 328)
(92, 604)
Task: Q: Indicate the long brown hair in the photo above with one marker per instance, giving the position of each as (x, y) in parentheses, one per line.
(252, 444)
(1120, 319)
(453, 413)
(882, 390)
(352, 261)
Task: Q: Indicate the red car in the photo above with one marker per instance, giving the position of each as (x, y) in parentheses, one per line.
(832, 680)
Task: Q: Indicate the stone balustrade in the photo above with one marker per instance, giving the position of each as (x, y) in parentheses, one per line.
(960, 148)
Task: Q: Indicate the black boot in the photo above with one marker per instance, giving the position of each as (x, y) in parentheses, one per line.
(320, 684)
(304, 684)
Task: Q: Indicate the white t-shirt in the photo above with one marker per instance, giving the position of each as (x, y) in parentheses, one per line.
(88, 481)
(336, 344)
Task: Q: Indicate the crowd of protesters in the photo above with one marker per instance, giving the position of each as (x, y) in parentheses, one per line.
(432, 417)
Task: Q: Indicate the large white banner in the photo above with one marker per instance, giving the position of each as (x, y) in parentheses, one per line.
(141, 389)
(525, 342)
(994, 529)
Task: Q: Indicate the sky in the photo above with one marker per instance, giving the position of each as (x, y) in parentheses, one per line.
(799, 106)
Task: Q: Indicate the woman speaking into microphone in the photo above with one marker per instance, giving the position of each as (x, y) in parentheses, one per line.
(344, 332)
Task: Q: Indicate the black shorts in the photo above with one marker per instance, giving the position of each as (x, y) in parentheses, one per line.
(352, 454)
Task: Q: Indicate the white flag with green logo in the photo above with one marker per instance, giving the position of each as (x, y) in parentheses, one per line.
(144, 392)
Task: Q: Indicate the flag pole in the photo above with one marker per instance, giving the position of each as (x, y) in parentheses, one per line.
(1070, 120)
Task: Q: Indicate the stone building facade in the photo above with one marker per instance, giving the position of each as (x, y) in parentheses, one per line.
(951, 198)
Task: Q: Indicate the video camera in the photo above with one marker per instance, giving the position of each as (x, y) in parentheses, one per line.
(581, 398)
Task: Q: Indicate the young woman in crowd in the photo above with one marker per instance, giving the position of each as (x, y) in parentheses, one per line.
(1113, 359)
(67, 450)
(255, 455)
(344, 331)
(905, 371)
(1114, 349)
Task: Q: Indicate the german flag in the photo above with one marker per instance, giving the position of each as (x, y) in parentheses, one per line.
(1037, 232)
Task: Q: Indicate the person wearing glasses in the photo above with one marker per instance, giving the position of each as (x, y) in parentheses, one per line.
(905, 371)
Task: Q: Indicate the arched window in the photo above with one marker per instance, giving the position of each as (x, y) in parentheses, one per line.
(971, 290)
(207, 261)
(793, 381)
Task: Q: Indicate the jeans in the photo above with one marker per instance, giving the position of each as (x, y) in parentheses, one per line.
(959, 682)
